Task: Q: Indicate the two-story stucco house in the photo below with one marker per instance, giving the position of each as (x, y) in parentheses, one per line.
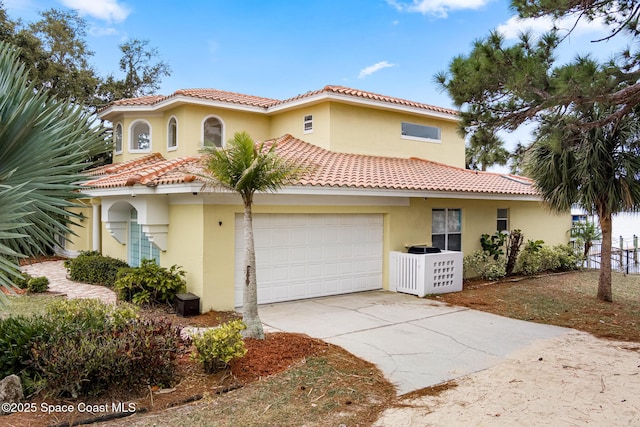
(386, 173)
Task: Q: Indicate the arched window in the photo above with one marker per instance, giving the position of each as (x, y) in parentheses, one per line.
(117, 138)
(172, 134)
(212, 132)
(140, 136)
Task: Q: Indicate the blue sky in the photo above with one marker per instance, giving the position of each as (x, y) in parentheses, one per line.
(281, 48)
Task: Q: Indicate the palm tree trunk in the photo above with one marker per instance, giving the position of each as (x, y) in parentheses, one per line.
(604, 281)
(250, 293)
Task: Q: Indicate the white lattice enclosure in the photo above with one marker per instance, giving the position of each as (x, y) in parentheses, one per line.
(426, 274)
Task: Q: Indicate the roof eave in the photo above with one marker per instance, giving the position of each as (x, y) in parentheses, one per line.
(355, 100)
(142, 190)
(113, 111)
(384, 192)
(309, 190)
(173, 101)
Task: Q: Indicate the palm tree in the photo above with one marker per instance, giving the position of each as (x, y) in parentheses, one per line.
(586, 232)
(44, 147)
(245, 167)
(597, 169)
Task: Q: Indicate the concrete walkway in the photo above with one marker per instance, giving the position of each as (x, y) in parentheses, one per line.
(58, 282)
(415, 342)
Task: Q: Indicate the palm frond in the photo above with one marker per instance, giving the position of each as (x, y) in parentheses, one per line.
(246, 168)
(45, 145)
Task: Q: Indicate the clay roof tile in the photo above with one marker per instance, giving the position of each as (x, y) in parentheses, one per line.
(323, 168)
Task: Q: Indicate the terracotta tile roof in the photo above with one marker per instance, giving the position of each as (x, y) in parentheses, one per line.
(208, 94)
(224, 96)
(326, 169)
(150, 171)
(143, 100)
(330, 169)
(266, 103)
(341, 90)
(116, 168)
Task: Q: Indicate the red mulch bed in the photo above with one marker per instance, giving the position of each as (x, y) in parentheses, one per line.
(276, 353)
(12, 291)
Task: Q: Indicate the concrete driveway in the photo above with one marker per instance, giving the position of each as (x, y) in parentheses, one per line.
(415, 342)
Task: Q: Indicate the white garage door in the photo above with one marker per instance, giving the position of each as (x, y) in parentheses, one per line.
(311, 255)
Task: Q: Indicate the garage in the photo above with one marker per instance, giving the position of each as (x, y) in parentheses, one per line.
(311, 255)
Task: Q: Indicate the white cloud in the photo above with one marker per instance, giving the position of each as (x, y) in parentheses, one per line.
(438, 8)
(514, 26)
(102, 31)
(106, 10)
(373, 68)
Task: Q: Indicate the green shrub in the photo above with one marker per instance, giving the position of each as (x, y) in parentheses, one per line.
(485, 265)
(91, 314)
(217, 347)
(545, 258)
(23, 338)
(17, 335)
(493, 244)
(569, 257)
(534, 245)
(550, 259)
(534, 258)
(38, 284)
(529, 263)
(135, 355)
(22, 281)
(69, 262)
(150, 283)
(91, 267)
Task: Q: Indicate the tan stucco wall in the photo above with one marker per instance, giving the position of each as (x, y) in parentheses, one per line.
(201, 235)
(185, 244)
(359, 130)
(292, 122)
(479, 217)
(111, 247)
(81, 237)
(158, 135)
(336, 127)
(190, 119)
(219, 257)
(354, 129)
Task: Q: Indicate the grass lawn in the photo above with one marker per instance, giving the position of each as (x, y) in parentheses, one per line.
(20, 305)
(564, 300)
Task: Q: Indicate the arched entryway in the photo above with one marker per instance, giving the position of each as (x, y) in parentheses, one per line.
(139, 224)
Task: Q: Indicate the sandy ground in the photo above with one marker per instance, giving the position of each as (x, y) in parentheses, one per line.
(572, 380)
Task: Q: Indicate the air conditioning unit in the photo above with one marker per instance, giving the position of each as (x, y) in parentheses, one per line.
(427, 273)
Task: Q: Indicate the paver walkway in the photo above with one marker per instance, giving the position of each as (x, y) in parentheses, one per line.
(58, 282)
